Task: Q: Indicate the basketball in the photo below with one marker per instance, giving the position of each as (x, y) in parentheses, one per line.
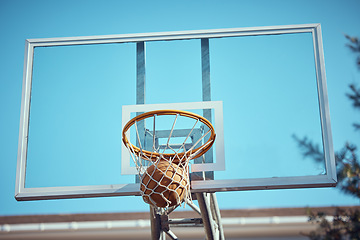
(164, 184)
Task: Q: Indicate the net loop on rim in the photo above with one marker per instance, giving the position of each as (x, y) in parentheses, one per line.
(164, 169)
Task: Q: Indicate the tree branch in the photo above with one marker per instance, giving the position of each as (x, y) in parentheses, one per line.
(309, 149)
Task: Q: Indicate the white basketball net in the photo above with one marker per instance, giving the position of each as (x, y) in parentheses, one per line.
(165, 180)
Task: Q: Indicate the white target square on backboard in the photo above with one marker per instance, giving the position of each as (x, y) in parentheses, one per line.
(217, 163)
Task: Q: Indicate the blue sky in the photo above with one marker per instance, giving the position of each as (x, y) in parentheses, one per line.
(20, 20)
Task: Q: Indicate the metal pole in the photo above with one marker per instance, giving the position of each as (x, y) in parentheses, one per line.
(140, 73)
(206, 94)
(193, 206)
(140, 88)
(206, 215)
(155, 220)
(205, 69)
(217, 216)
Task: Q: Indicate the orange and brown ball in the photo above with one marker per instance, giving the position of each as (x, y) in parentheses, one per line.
(164, 180)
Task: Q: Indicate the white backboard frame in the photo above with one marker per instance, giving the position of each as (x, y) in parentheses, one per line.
(327, 180)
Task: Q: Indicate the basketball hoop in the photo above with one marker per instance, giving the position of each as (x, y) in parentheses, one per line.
(163, 169)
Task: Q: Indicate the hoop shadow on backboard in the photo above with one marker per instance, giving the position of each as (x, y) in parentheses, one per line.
(67, 124)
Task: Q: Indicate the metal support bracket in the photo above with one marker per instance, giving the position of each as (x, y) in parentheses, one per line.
(210, 219)
(210, 214)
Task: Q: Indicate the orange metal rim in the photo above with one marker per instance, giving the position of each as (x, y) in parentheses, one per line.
(153, 155)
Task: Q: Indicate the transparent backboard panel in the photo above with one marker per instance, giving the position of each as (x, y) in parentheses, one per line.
(269, 89)
(173, 72)
(79, 92)
(75, 118)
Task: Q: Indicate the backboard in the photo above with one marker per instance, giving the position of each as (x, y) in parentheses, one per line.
(263, 88)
